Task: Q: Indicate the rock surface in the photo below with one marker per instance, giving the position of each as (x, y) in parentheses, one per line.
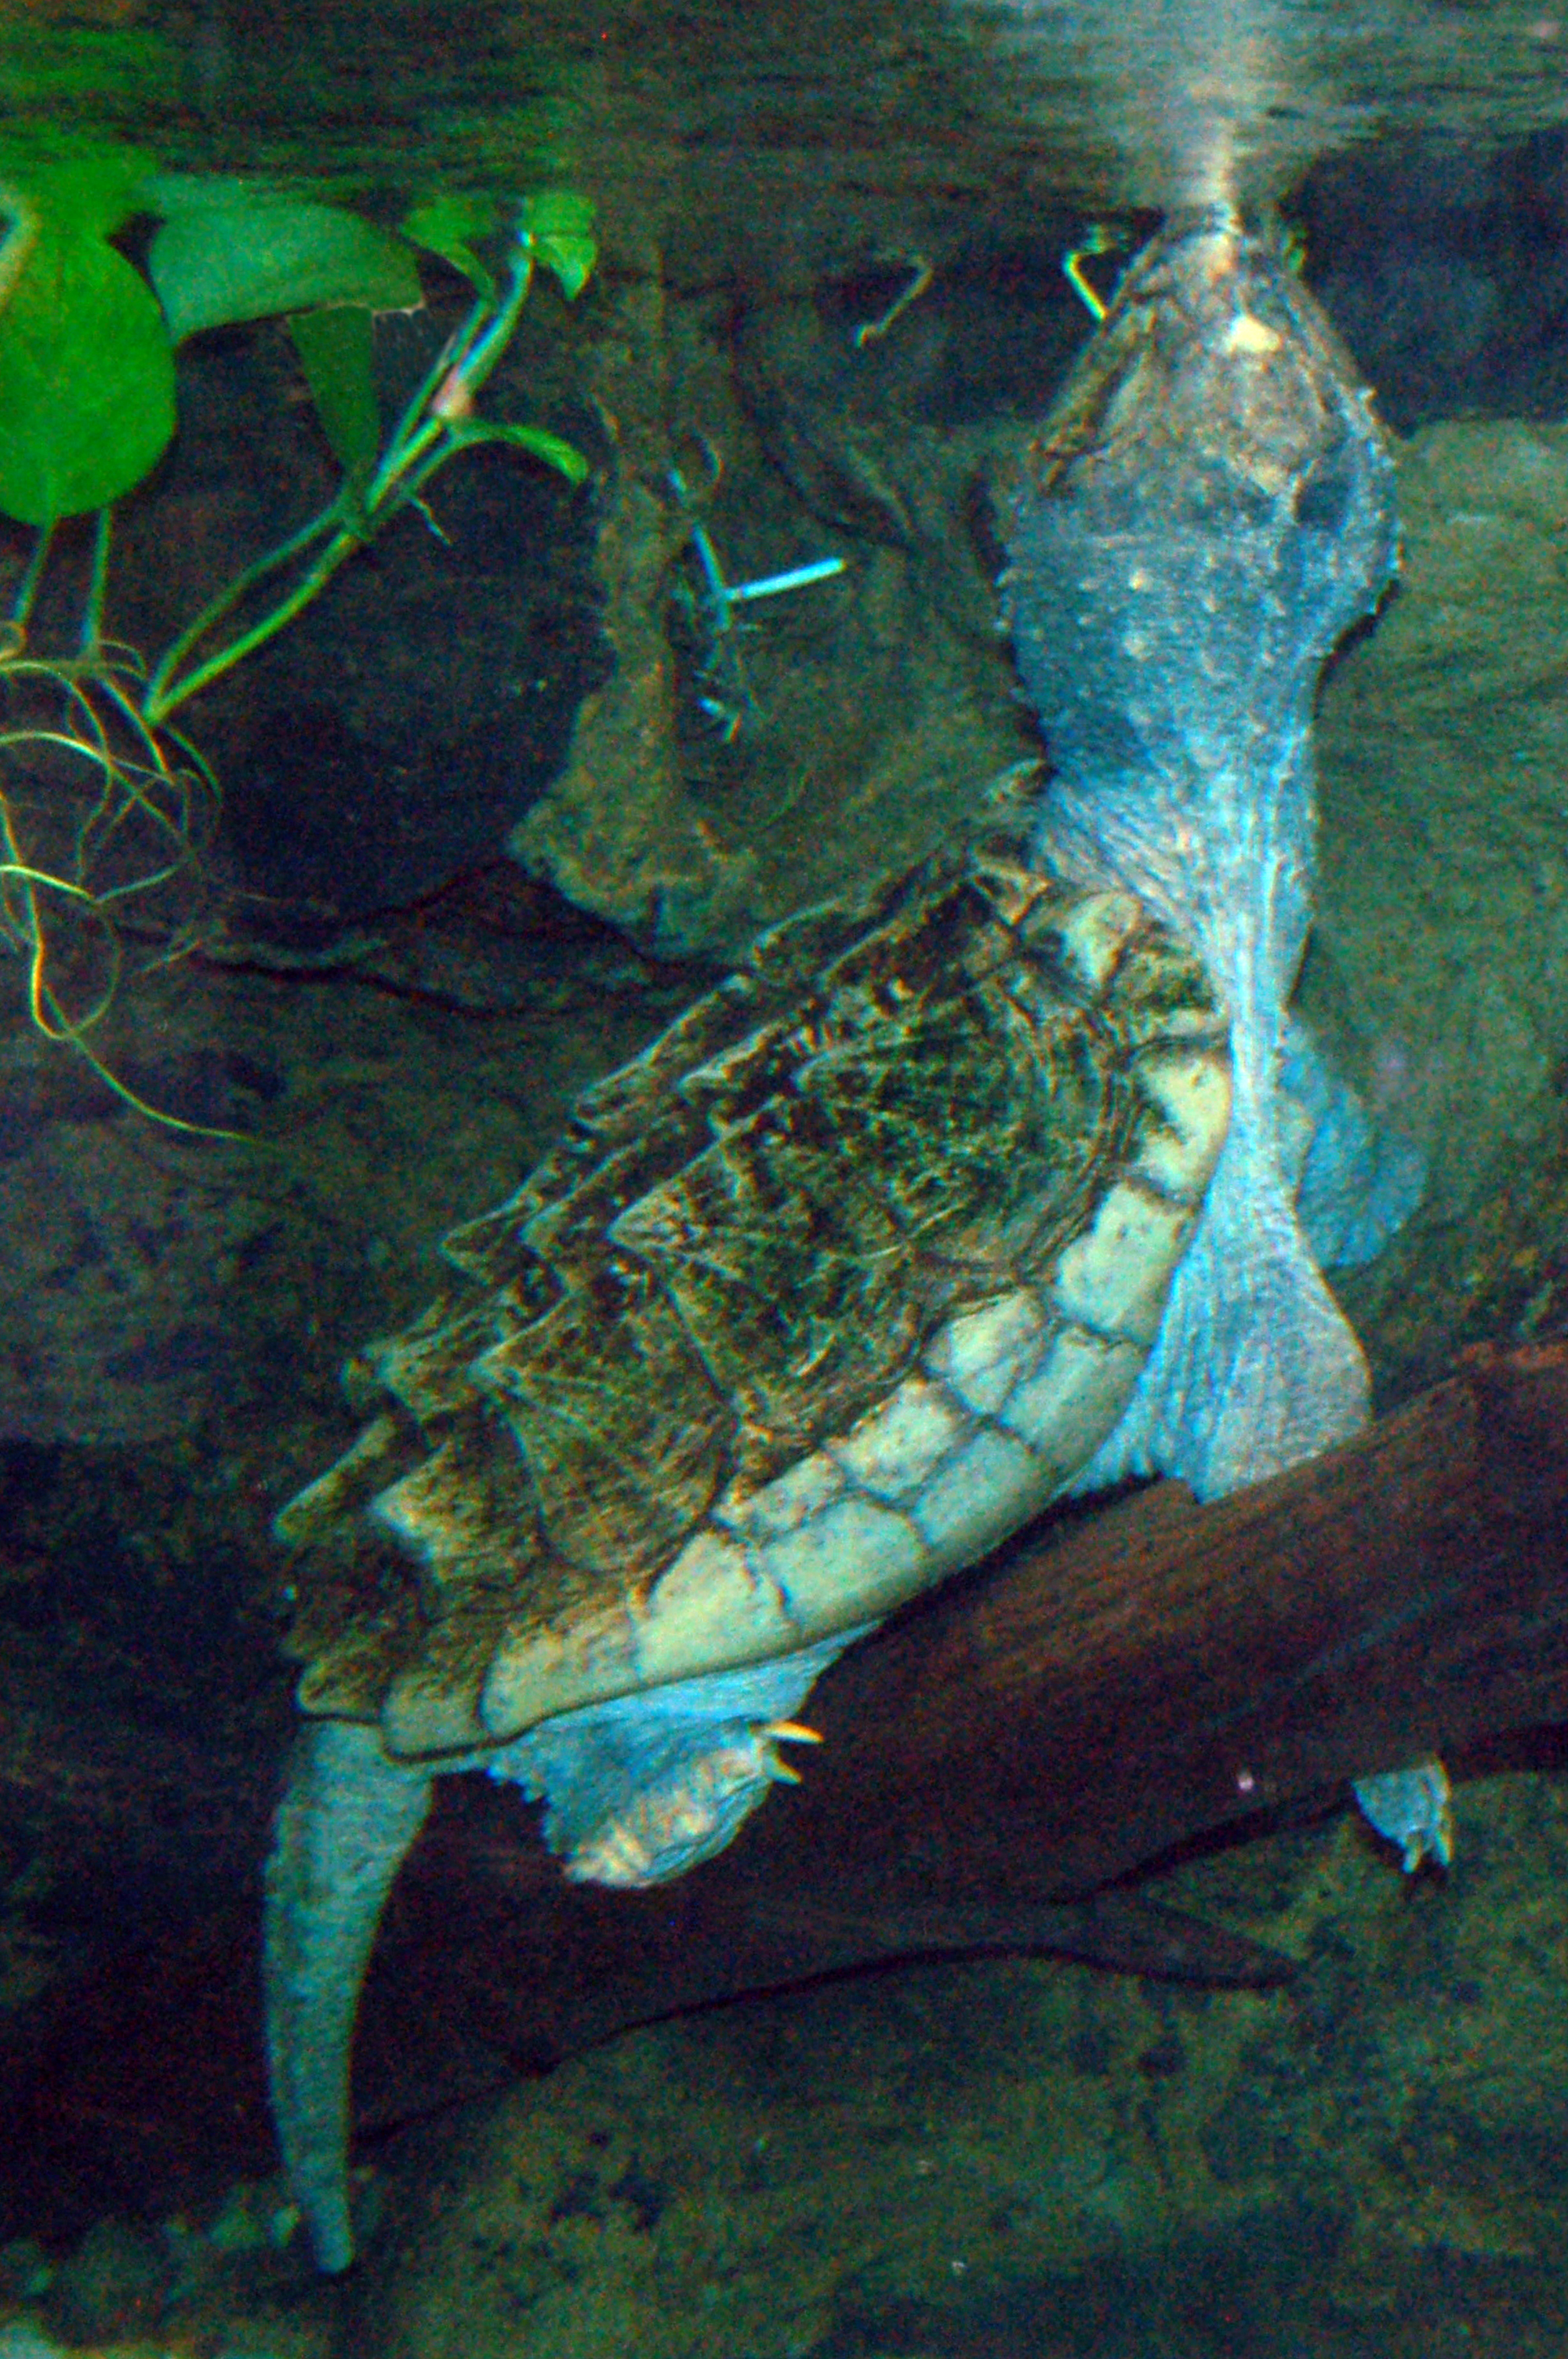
(1035, 2158)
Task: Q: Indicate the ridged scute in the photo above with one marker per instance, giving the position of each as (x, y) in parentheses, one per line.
(797, 1224)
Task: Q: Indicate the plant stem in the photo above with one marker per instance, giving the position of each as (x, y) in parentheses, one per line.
(93, 612)
(162, 695)
(156, 708)
(421, 443)
(22, 607)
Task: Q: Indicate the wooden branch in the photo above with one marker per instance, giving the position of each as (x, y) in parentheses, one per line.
(1104, 1691)
(1162, 1669)
(1082, 1704)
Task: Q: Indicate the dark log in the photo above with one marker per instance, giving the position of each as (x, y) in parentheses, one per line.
(1137, 1676)
(1162, 1669)
(1078, 1707)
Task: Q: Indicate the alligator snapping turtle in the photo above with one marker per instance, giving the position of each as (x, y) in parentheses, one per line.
(825, 1294)
(865, 1260)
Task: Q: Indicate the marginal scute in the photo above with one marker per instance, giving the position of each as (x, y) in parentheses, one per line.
(529, 1674)
(1094, 936)
(1113, 1278)
(420, 1717)
(783, 1504)
(1190, 1093)
(447, 1514)
(854, 1562)
(716, 1599)
(1065, 1407)
(899, 1446)
(987, 1490)
(348, 1678)
(424, 1368)
(984, 1353)
(776, 1335)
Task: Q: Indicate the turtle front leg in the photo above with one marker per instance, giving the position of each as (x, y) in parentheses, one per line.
(348, 1819)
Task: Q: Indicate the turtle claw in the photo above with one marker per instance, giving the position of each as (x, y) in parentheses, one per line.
(689, 1815)
(783, 1732)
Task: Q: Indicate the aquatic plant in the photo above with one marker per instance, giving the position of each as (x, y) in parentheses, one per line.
(98, 811)
(100, 801)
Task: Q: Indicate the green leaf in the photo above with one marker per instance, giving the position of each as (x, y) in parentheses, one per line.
(334, 347)
(553, 448)
(98, 188)
(444, 225)
(558, 226)
(172, 195)
(86, 378)
(557, 213)
(257, 254)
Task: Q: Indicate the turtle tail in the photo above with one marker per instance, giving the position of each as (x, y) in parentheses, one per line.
(348, 1818)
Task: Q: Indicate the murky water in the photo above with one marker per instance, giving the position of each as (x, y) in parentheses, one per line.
(288, 996)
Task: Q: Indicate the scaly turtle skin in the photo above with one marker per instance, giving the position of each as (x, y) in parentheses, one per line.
(818, 1299)
(1207, 510)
